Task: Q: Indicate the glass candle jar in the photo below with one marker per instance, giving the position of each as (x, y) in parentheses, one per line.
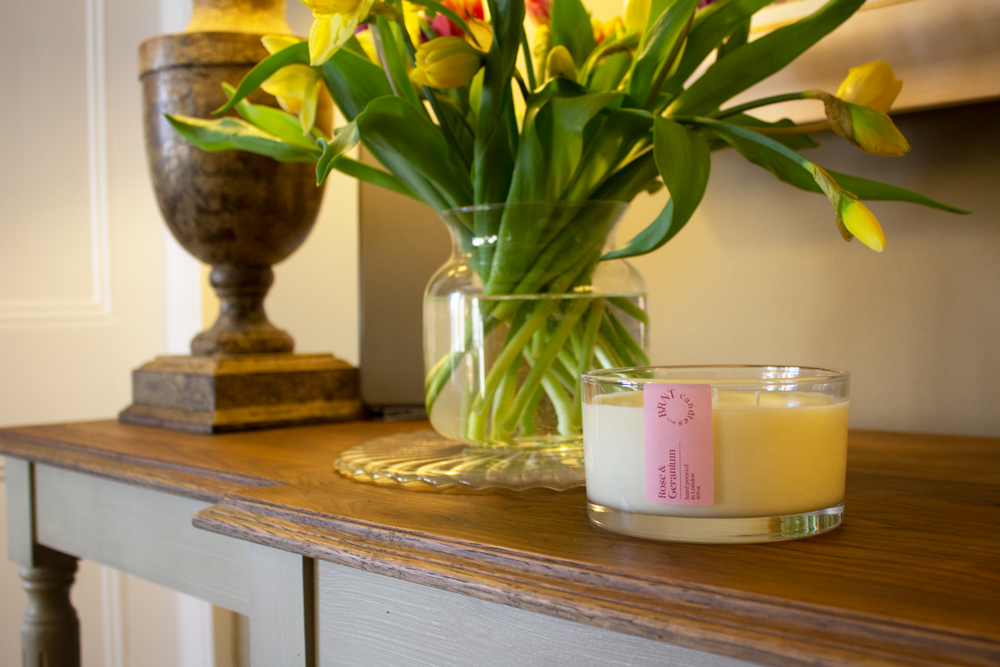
(716, 453)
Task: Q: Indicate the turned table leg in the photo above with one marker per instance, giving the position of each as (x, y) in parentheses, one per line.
(50, 631)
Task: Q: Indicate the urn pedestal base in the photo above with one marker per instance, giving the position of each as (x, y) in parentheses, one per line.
(216, 394)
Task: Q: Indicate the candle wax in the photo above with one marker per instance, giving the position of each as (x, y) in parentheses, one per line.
(774, 453)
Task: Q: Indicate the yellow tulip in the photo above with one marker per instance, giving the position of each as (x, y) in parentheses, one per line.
(296, 87)
(603, 30)
(480, 34)
(411, 19)
(860, 222)
(367, 45)
(446, 62)
(872, 85)
(334, 23)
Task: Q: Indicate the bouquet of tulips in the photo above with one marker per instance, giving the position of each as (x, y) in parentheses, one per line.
(461, 111)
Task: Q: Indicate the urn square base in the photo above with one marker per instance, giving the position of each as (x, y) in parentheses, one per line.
(217, 394)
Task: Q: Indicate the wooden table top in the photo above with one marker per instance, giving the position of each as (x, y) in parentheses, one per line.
(912, 577)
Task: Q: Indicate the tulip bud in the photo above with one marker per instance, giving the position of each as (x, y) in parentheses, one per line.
(872, 85)
(868, 129)
(446, 62)
(560, 63)
(858, 221)
(539, 11)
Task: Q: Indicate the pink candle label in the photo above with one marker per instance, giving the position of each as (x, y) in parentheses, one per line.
(678, 420)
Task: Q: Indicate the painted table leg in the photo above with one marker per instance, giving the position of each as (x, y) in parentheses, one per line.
(50, 631)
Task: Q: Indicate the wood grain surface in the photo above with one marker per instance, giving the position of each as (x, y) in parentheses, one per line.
(911, 578)
(205, 467)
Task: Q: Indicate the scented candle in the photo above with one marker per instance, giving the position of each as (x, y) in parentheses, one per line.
(716, 453)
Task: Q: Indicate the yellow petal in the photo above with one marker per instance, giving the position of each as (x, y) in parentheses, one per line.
(365, 39)
(873, 85)
(327, 7)
(307, 115)
(321, 38)
(862, 223)
(275, 43)
(480, 34)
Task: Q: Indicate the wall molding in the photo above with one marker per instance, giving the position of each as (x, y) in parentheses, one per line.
(114, 614)
(97, 308)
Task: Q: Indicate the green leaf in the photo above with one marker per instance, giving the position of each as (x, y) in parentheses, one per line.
(495, 143)
(711, 25)
(354, 81)
(657, 51)
(863, 188)
(571, 27)
(684, 161)
(413, 149)
(614, 141)
(760, 59)
(388, 44)
(275, 122)
(228, 134)
(296, 54)
(610, 73)
(793, 141)
(368, 174)
(344, 140)
(788, 167)
(638, 175)
(739, 38)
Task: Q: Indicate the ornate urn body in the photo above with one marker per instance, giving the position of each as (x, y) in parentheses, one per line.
(239, 213)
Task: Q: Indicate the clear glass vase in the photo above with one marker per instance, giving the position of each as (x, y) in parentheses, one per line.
(503, 357)
(523, 306)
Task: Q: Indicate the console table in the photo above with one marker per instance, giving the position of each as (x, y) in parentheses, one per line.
(335, 572)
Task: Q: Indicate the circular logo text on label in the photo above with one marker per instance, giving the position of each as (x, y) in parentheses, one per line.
(675, 407)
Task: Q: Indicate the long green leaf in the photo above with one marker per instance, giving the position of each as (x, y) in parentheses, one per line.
(368, 174)
(570, 25)
(388, 45)
(712, 24)
(760, 59)
(275, 122)
(657, 52)
(683, 160)
(296, 54)
(413, 149)
(613, 142)
(354, 81)
(495, 145)
(229, 134)
(766, 153)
